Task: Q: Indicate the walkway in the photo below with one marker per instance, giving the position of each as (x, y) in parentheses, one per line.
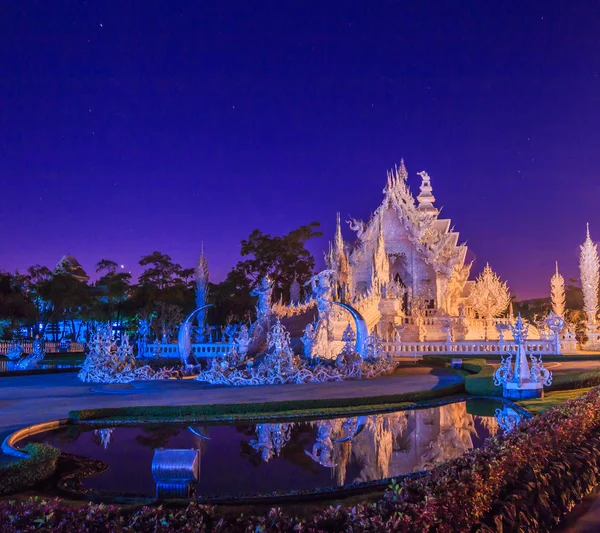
(30, 400)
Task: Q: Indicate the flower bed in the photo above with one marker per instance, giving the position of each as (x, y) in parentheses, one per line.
(524, 481)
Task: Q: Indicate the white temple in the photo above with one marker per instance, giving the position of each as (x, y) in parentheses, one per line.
(406, 271)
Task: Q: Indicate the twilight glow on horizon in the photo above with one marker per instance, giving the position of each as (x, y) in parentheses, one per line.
(129, 128)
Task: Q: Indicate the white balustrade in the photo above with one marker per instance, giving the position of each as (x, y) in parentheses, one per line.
(208, 349)
(417, 349)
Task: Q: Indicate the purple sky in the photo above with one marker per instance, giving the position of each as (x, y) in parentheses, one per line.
(127, 128)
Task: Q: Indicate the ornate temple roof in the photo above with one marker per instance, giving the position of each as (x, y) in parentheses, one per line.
(434, 238)
(70, 265)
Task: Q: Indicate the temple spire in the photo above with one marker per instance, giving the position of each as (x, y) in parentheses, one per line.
(426, 197)
(338, 242)
(402, 172)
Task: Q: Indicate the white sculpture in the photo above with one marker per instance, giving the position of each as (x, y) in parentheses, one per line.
(15, 351)
(258, 330)
(489, 296)
(556, 324)
(279, 365)
(520, 382)
(589, 268)
(35, 357)
(109, 362)
(557, 293)
(308, 339)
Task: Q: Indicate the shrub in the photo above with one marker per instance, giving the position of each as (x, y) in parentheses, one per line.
(24, 473)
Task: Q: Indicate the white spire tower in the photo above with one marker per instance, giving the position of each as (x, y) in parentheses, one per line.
(557, 293)
(589, 269)
(201, 275)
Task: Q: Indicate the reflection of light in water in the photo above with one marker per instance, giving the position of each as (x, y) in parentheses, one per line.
(270, 439)
(507, 419)
(105, 435)
(175, 471)
(322, 449)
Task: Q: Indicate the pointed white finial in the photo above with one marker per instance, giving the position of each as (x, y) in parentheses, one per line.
(426, 197)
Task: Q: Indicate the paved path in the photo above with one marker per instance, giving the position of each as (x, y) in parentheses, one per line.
(30, 400)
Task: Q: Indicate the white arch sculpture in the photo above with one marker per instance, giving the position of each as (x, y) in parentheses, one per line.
(362, 332)
(184, 338)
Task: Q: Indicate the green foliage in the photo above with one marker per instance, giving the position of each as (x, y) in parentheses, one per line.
(25, 473)
(283, 259)
(111, 290)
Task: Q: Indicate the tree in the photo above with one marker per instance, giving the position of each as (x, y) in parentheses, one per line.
(282, 259)
(67, 299)
(111, 289)
(15, 305)
(162, 285)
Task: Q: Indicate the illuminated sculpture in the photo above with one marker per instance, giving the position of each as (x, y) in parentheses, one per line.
(520, 381)
(35, 357)
(309, 338)
(557, 293)
(279, 365)
(556, 324)
(322, 293)
(489, 296)
(109, 362)
(143, 334)
(15, 351)
(589, 269)
(184, 336)
(258, 331)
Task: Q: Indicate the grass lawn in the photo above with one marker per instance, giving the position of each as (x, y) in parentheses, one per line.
(551, 399)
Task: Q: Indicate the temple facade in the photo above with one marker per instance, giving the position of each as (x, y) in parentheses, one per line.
(406, 270)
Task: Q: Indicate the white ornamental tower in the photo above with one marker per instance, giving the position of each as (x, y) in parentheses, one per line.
(557, 293)
(589, 269)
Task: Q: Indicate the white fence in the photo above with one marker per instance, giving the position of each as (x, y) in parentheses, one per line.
(208, 349)
(417, 349)
(50, 347)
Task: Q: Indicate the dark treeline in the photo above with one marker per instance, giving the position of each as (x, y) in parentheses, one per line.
(41, 299)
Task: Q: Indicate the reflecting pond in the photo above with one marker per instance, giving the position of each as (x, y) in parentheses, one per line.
(219, 460)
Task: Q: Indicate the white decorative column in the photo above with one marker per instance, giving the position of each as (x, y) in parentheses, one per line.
(520, 381)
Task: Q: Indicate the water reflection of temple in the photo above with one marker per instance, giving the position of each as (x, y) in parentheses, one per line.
(373, 447)
(393, 444)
